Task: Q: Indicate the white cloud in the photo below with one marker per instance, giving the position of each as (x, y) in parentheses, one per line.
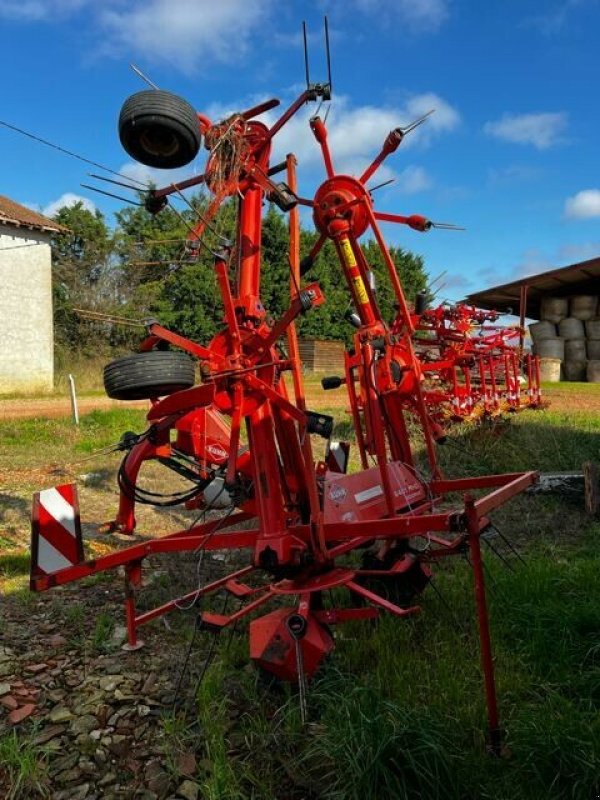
(514, 173)
(534, 261)
(183, 33)
(583, 205)
(414, 179)
(357, 133)
(579, 252)
(186, 34)
(541, 130)
(419, 16)
(554, 20)
(355, 136)
(67, 200)
(38, 10)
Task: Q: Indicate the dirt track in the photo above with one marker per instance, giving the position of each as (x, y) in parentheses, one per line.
(21, 408)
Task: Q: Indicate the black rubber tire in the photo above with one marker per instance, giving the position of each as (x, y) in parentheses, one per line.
(159, 129)
(155, 373)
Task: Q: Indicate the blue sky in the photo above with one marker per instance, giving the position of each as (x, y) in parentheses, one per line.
(511, 152)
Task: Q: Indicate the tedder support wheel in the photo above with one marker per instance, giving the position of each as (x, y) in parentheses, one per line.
(159, 129)
(151, 374)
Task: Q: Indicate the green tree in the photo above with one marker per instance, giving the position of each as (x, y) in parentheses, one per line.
(327, 321)
(83, 271)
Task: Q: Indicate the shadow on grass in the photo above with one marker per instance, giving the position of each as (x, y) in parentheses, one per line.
(545, 441)
(8, 504)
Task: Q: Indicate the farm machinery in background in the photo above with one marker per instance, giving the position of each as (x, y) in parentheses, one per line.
(472, 367)
(245, 440)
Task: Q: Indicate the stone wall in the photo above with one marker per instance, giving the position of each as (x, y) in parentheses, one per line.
(26, 336)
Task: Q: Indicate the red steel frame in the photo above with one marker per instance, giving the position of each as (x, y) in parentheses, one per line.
(297, 506)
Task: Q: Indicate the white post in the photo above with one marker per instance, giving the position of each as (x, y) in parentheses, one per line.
(74, 408)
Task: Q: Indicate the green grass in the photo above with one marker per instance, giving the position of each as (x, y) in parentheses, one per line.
(39, 442)
(14, 572)
(23, 772)
(97, 429)
(398, 712)
(103, 630)
(14, 564)
(547, 441)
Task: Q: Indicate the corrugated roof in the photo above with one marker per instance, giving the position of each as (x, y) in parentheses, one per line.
(580, 278)
(12, 213)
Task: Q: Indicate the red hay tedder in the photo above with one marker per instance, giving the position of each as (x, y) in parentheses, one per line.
(300, 519)
(472, 368)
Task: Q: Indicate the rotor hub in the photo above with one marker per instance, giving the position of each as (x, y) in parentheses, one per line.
(342, 197)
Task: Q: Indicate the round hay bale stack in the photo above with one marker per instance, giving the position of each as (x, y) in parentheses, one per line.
(542, 330)
(575, 350)
(553, 309)
(550, 370)
(592, 328)
(551, 348)
(593, 349)
(575, 370)
(571, 328)
(583, 306)
(593, 371)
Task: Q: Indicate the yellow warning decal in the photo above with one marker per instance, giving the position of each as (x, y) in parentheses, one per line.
(347, 253)
(361, 292)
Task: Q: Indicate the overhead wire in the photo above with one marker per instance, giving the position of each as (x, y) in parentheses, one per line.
(68, 152)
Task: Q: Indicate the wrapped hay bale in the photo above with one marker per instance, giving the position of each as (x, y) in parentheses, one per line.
(553, 309)
(571, 328)
(575, 350)
(592, 328)
(575, 370)
(593, 349)
(542, 330)
(550, 370)
(550, 348)
(593, 371)
(583, 306)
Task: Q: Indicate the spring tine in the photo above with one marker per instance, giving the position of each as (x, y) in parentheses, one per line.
(492, 583)
(412, 125)
(381, 185)
(447, 226)
(147, 80)
(460, 625)
(110, 180)
(301, 681)
(438, 278)
(110, 194)
(498, 554)
(509, 544)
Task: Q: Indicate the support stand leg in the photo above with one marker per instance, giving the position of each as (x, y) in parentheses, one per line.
(133, 578)
(487, 663)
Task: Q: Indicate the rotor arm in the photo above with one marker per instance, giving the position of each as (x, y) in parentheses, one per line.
(308, 95)
(390, 145)
(320, 133)
(414, 221)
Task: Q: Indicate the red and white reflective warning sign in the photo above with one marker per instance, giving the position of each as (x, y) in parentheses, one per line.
(56, 541)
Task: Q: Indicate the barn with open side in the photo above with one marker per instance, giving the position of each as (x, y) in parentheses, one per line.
(566, 306)
(26, 344)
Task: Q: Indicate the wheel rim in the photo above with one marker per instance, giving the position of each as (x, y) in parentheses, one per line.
(157, 141)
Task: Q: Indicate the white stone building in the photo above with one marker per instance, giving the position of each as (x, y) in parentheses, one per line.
(26, 336)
